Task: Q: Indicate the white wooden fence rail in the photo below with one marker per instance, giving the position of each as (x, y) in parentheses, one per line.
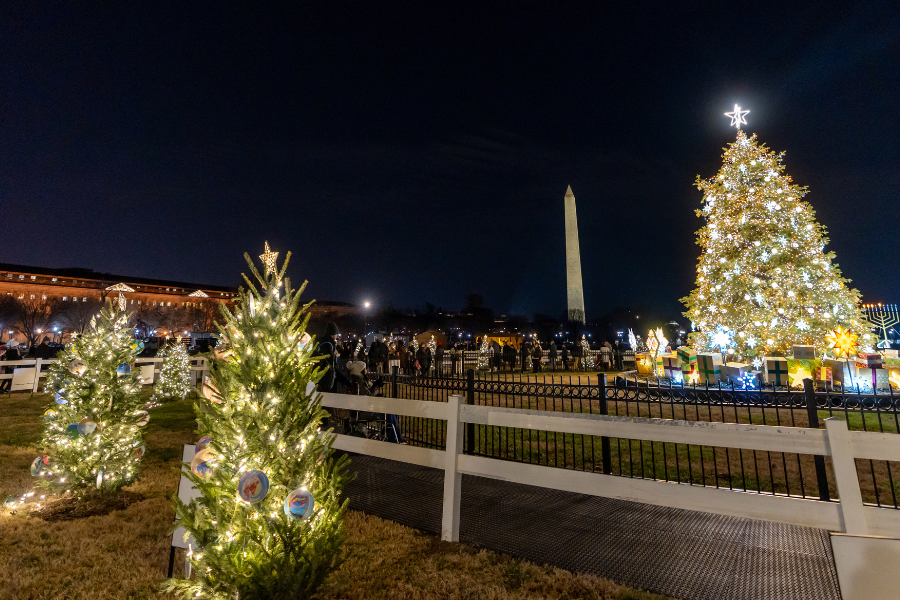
(27, 373)
(849, 515)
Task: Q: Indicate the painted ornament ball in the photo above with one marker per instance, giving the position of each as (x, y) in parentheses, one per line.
(72, 431)
(137, 347)
(59, 398)
(299, 504)
(76, 367)
(49, 413)
(253, 486)
(305, 339)
(139, 451)
(37, 466)
(86, 426)
(123, 370)
(143, 418)
(201, 465)
(201, 444)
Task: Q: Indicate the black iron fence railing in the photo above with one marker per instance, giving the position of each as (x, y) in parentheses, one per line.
(754, 471)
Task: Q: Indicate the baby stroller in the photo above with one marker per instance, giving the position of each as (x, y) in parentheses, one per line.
(374, 426)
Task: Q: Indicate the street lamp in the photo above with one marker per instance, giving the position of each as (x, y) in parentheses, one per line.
(366, 306)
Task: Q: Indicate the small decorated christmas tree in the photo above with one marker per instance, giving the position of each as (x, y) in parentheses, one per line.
(268, 522)
(484, 357)
(92, 435)
(587, 359)
(764, 280)
(175, 375)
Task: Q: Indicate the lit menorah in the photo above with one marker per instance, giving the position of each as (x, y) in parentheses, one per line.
(882, 317)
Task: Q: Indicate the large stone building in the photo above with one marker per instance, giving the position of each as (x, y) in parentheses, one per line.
(72, 286)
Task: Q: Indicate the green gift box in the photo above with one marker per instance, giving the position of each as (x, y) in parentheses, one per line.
(709, 366)
(775, 370)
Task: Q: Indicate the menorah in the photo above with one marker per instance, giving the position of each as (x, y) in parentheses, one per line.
(882, 317)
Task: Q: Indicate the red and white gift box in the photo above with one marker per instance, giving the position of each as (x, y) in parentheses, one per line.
(866, 360)
(823, 374)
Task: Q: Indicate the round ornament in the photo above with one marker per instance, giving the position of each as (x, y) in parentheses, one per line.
(143, 418)
(86, 426)
(123, 370)
(72, 431)
(59, 398)
(99, 479)
(47, 460)
(137, 347)
(76, 367)
(201, 466)
(49, 413)
(305, 339)
(299, 504)
(37, 466)
(139, 452)
(253, 486)
(202, 443)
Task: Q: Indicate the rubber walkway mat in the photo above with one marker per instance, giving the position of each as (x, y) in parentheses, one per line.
(686, 554)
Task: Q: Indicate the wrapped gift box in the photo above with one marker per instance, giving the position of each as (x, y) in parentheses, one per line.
(864, 360)
(878, 378)
(823, 374)
(842, 371)
(669, 365)
(687, 356)
(709, 366)
(805, 352)
(645, 363)
(775, 370)
(734, 371)
(889, 353)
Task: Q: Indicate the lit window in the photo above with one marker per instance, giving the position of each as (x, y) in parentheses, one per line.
(53, 280)
(21, 277)
(84, 299)
(32, 296)
(44, 297)
(64, 298)
(168, 304)
(33, 277)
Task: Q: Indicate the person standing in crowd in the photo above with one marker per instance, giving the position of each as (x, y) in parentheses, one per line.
(361, 355)
(12, 353)
(553, 355)
(44, 351)
(327, 348)
(525, 351)
(454, 358)
(359, 376)
(617, 355)
(565, 356)
(605, 356)
(536, 355)
(576, 354)
(439, 360)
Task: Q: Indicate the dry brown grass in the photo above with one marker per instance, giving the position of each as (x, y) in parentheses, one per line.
(124, 554)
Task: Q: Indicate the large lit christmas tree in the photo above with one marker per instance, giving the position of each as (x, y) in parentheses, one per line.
(764, 280)
(175, 374)
(268, 522)
(92, 436)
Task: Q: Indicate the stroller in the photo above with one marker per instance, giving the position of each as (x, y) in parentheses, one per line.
(374, 426)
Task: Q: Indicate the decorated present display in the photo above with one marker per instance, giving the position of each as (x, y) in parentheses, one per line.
(645, 363)
(889, 353)
(870, 360)
(823, 374)
(709, 367)
(775, 370)
(805, 352)
(874, 377)
(842, 371)
(669, 365)
(734, 372)
(688, 358)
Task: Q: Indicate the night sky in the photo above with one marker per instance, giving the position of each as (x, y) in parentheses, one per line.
(419, 153)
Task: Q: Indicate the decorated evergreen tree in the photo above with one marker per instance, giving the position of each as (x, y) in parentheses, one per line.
(268, 522)
(764, 280)
(175, 375)
(484, 356)
(92, 435)
(587, 357)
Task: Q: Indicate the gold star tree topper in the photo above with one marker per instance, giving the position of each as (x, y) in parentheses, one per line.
(268, 258)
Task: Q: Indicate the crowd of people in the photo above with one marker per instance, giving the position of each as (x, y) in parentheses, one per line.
(13, 350)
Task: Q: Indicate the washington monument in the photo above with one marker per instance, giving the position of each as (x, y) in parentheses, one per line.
(574, 290)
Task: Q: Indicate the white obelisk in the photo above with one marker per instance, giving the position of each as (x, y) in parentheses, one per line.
(574, 289)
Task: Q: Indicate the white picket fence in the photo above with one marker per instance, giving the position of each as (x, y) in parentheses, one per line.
(848, 516)
(27, 373)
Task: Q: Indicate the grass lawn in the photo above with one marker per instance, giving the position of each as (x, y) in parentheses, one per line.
(124, 554)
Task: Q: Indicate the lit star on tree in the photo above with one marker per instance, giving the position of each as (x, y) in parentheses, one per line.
(798, 377)
(737, 116)
(757, 363)
(268, 258)
(843, 341)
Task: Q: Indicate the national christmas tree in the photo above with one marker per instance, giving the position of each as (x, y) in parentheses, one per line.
(268, 522)
(175, 374)
(92, 435)
(764, 279)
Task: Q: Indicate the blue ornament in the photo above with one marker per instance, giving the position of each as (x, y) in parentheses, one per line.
(253, 486)
(137, 347)
(299, 504)
(123, 370)
(86, 426)
(59, 398)
(72, 431)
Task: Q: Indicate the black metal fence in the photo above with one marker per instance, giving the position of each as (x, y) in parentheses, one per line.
(755, 471)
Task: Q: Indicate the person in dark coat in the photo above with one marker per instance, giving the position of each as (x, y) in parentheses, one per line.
(326, 348)
(554, 354)
(525, 350)
(439, 360)
(12, 353)
(44, 351)
(536, 355)
(565, 356)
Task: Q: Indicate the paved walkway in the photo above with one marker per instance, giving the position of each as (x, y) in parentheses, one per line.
(686, 554)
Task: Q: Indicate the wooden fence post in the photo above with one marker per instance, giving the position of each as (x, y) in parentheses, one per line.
(37, 375)
(452, 476)
(470, 399)
(841, 447)
(605, 451)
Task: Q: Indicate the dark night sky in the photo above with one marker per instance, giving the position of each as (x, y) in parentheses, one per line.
(421, 153)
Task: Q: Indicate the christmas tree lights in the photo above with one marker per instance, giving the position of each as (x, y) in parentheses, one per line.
(763, 276)
(268, 522)
(92, 436)
(484, 359)
(587, 359)
(175, 375)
